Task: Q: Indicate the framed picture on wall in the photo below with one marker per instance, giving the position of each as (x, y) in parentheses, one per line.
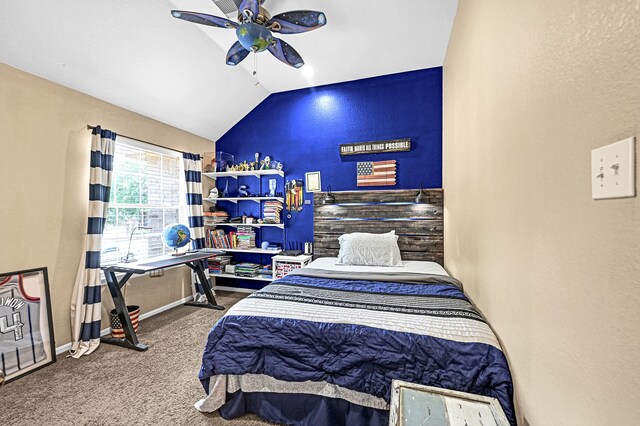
(209, 162)
(313, 181)
(26, 327)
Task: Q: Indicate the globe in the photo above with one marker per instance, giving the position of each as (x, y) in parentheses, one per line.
(176, 236)
(254, 37)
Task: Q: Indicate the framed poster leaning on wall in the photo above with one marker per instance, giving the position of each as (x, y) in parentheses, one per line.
(26, 328)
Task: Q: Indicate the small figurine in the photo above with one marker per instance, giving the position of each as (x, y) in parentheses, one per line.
(252, 166)
(257, 156)
(243, 191)
(261, 164)
(267, 161)
(225, 193)
(213, 193)
(272, 187)
(279, 166)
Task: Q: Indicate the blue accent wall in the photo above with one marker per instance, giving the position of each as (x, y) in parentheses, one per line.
(304, 128)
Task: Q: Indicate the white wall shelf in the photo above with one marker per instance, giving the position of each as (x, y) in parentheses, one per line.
(255, 250)
(263, 254)
(236, 199)
(225, 275)
(235, 175)
(255, 225)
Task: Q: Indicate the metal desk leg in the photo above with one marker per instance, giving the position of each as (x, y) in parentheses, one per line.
(198, 267)
(131, 339)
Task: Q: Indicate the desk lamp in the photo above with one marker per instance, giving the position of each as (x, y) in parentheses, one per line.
(130, 257)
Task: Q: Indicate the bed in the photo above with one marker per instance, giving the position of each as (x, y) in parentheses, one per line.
(322, 345)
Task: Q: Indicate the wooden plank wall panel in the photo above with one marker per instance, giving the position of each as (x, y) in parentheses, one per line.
(420, 227)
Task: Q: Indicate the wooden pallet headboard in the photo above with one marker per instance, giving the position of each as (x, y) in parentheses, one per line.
(419, 226)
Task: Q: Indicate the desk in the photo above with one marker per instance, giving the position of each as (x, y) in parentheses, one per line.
(195, 261)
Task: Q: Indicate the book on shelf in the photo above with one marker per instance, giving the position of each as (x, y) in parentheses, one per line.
(213, 218)
(217, 213)
(217, 238)
(207, 222)
(245, 237)
(217, 264)
(271, 212)
(247, 269)
(265, 271)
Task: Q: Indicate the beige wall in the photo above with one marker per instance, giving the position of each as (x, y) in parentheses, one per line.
(530, 88)
(44, 181)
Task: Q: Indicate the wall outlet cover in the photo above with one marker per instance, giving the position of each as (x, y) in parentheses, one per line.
(157, 273)
(613, 170)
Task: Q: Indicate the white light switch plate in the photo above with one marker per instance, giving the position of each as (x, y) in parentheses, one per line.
(613, 170)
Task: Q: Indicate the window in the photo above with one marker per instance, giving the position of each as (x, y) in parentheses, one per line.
(147, 189)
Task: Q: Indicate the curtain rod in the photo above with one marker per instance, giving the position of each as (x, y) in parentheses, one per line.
(90, 127)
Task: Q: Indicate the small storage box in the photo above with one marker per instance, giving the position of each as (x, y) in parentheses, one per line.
(230, 269)
(282, 265)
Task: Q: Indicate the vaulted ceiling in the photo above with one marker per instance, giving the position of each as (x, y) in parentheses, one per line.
(134, 54)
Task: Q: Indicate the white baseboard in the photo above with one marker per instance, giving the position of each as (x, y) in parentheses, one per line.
(235, 289)
(104, 332)
(166, 307)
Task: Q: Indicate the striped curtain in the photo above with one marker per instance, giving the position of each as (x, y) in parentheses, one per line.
(193, 176)
(86, 308)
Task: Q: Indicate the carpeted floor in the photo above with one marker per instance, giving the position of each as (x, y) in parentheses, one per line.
(117, 386)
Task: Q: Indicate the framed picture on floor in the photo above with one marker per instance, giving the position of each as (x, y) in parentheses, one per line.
(26, 327)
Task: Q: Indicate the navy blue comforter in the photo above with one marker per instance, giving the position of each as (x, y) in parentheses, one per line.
(358, 335)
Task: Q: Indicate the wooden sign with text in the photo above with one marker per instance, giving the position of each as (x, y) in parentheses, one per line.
(394, 145)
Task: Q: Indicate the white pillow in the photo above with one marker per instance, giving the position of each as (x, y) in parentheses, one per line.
(360, 248)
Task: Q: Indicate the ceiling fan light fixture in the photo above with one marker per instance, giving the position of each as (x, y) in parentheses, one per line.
(255, 27)
(254, 37)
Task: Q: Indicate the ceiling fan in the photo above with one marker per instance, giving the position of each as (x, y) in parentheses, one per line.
(255, 27)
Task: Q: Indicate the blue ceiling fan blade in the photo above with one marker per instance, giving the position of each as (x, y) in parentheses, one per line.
(204, 19)
(249, 9)
(236, 54)
(297, 21)
(285, 53)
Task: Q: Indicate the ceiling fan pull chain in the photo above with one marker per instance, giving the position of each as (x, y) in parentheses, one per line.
(255, 63)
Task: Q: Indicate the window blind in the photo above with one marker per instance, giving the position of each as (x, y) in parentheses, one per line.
(147, 190)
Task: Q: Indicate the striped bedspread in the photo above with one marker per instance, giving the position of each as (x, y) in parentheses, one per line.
(338, 342)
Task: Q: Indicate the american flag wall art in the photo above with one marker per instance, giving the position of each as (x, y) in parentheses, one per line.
(376, 173)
